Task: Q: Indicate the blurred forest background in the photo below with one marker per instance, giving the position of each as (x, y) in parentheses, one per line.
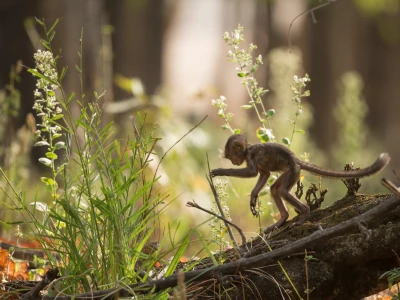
(167, 58)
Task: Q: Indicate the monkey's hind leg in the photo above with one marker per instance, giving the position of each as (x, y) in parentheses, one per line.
(279, 204)
(282, 189)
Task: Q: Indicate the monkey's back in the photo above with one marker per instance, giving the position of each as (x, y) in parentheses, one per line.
(272, 157)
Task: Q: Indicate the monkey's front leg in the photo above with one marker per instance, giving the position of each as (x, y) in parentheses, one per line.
(243, 173)
(262, 180)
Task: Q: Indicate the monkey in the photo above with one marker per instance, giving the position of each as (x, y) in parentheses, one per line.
(270, 157)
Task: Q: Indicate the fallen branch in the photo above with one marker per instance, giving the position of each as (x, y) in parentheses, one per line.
(34, 293)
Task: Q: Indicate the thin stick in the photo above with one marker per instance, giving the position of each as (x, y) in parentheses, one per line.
(226, 221)
(221, 211)
(165, 154)
(390, 185)
(309, 11)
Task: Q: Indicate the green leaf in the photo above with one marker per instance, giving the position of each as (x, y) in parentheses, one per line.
(286, 141)
(241, 74)
(51, 37)
(71, 97)
(41, 143)
(39, 21)
(270, 113)
(51, 155)
(63, 72)
(61, 168)
(253, 69)
(79, 70)
(246, 106)
(265, 135)
(47, 180)
(176, 259)
(54, 25)
(57, 135)
(300, 131)
(206, 247)
(56, 117)
(236, 131)
(37, 74)
(45, 44)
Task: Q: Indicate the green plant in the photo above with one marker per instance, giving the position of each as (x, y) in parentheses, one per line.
(218, 228)
(104, 202)
(393, 277)
(247, 66)
(297, 87)
(353, 131)
(16, 144)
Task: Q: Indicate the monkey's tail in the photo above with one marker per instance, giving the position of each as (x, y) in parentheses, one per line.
(377, 166)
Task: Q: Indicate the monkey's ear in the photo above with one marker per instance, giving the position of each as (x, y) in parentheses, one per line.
(239, 145)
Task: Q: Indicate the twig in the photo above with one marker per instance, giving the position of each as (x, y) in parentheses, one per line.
(226, 221)
(309, 11)
(314, 239)
(169, 149)
(34, 293)
(221, 211)
(390, 185)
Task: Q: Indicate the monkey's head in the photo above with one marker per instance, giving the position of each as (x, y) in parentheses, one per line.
(236, 149)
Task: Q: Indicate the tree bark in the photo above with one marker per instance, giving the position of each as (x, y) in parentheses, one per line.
(347, 266)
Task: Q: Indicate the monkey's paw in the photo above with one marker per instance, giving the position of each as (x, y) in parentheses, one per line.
(216, 172)
(253, 204)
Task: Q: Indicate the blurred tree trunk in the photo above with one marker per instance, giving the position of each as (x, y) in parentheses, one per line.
(138, 41)
(337, 41)
(14, 46)
(347, 38)
(76, 15)
(382, 78)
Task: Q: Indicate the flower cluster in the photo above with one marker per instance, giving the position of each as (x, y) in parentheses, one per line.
(218, 229)
(297, 85)
(220, 103)
(46, 104)
(243, 57)
(246, 69)
(46, 85)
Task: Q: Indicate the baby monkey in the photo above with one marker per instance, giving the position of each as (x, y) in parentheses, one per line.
(272, 157)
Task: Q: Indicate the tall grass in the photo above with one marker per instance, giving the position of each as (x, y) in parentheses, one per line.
(104, 202)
